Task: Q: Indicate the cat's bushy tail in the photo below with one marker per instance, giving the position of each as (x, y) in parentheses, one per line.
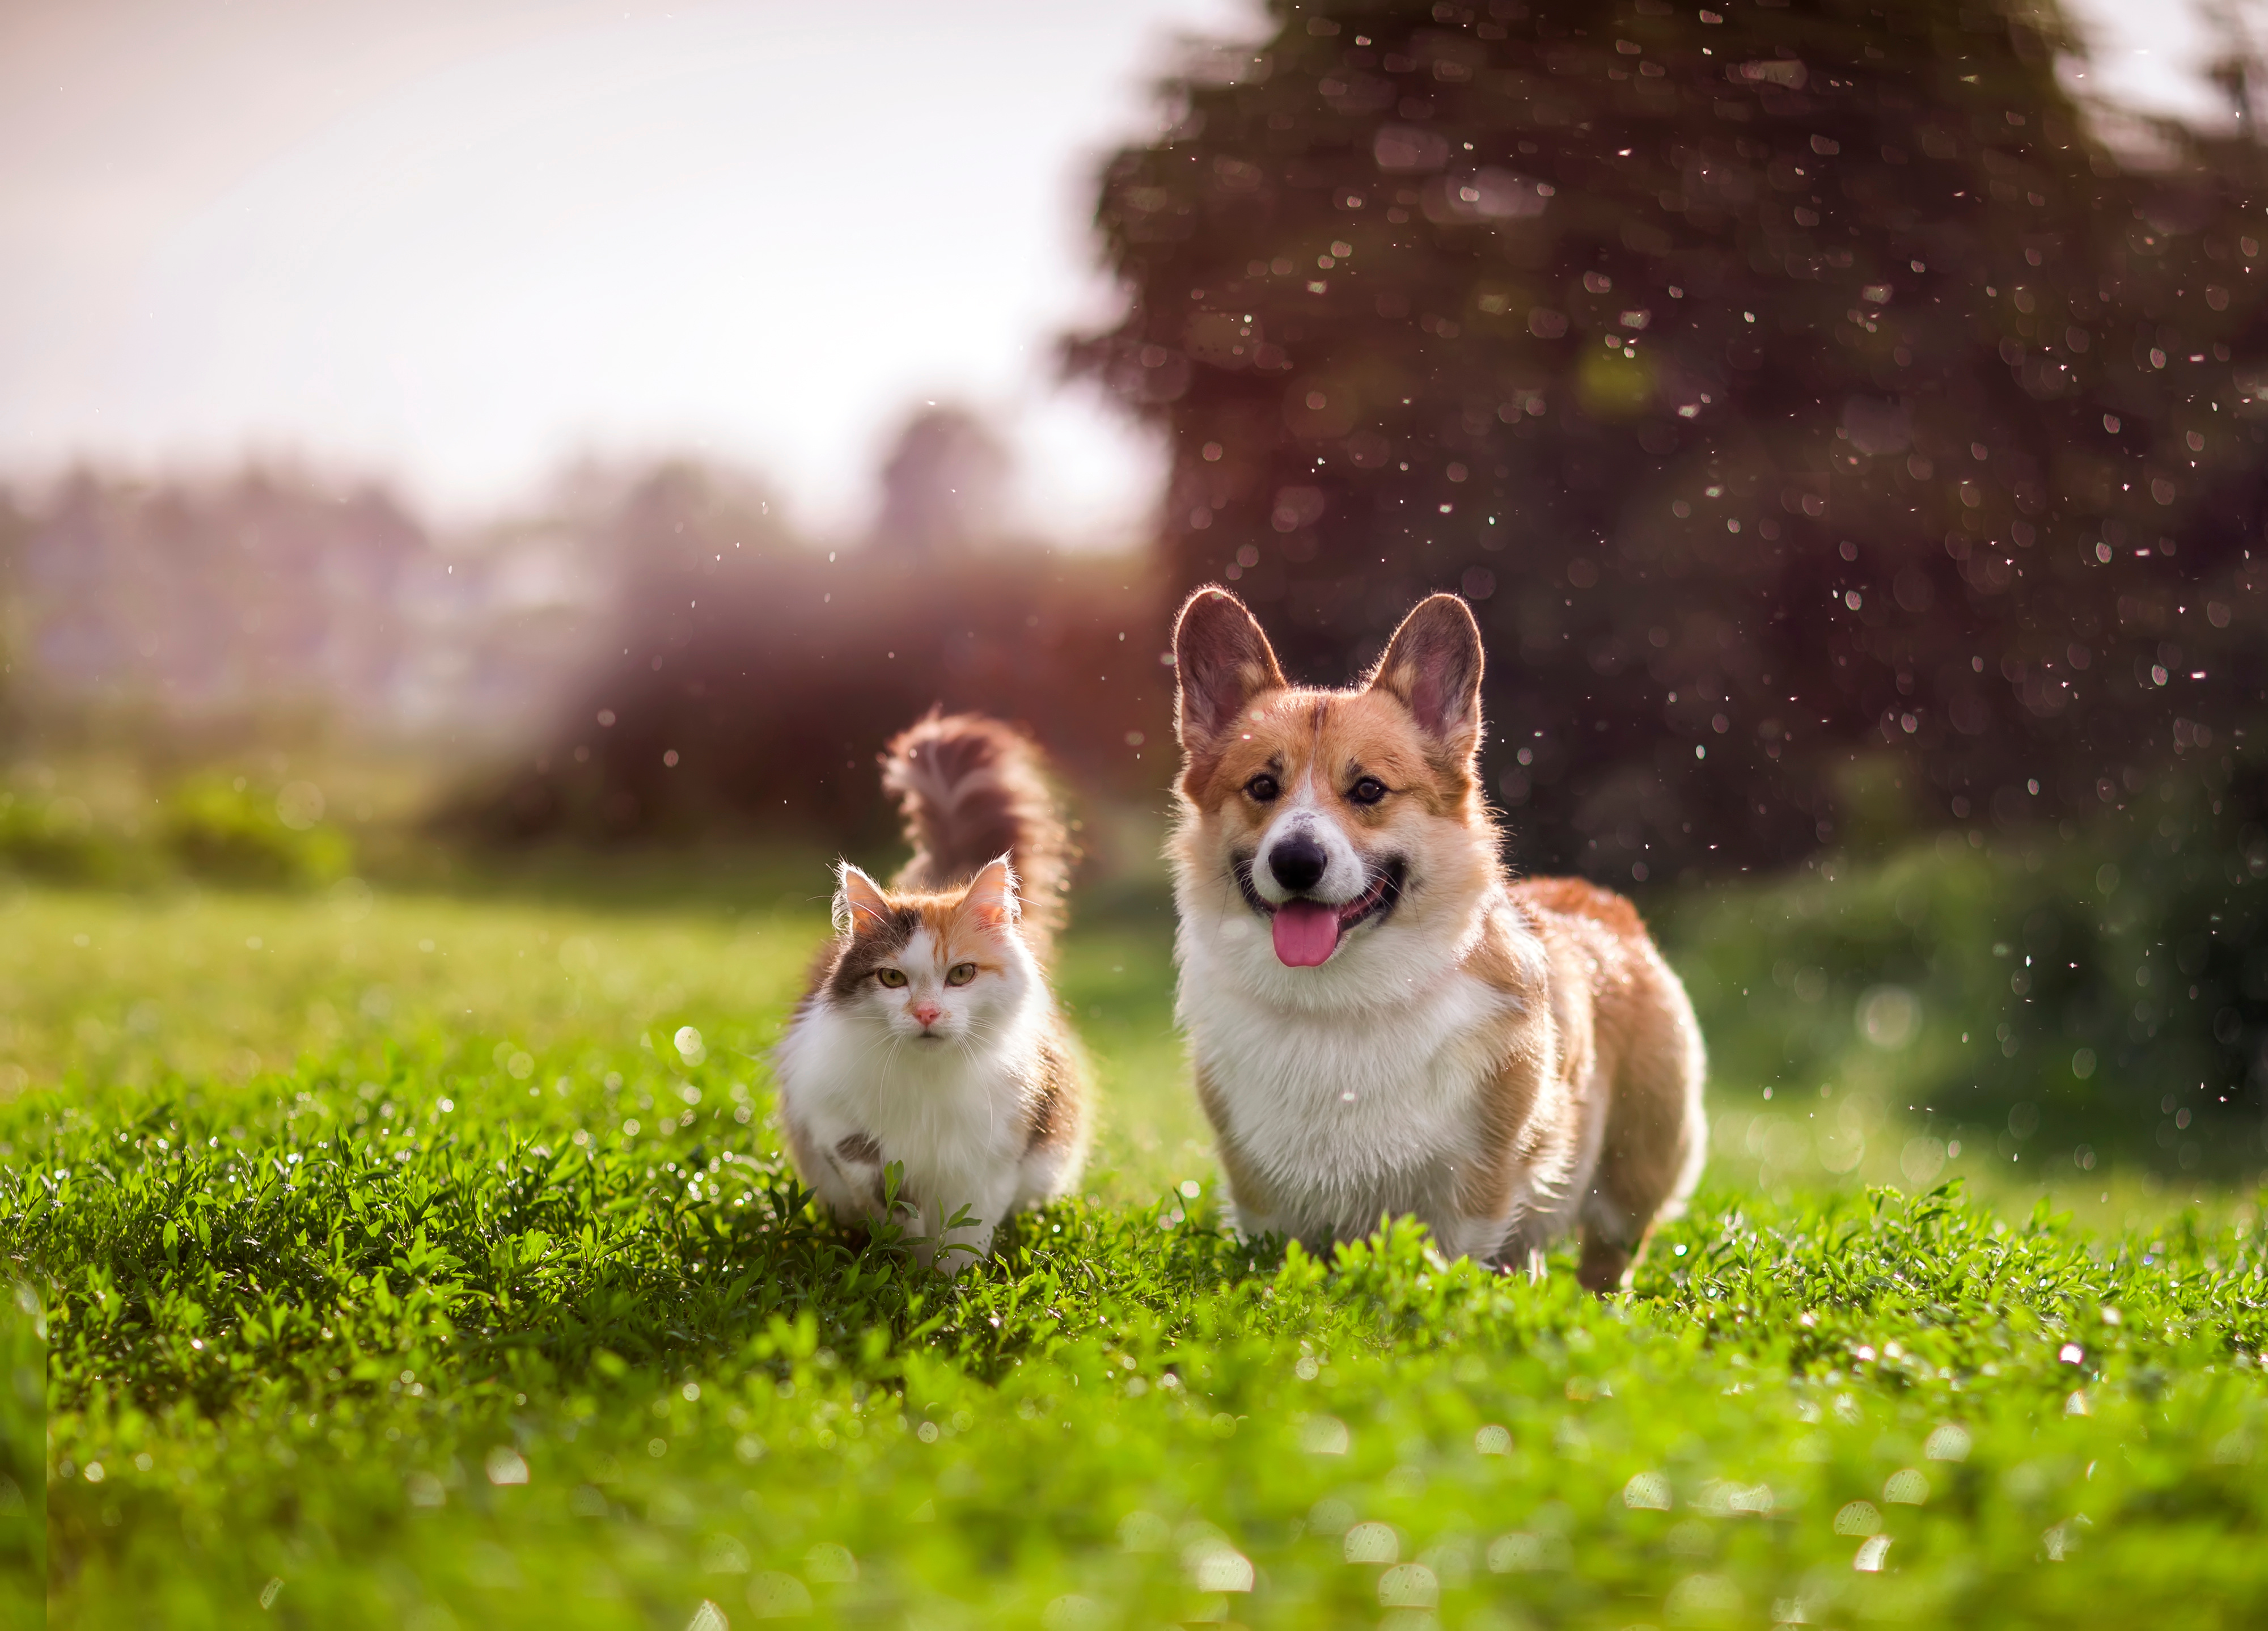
(972, 789)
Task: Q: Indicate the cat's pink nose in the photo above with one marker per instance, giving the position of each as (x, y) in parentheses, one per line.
(927, 1013)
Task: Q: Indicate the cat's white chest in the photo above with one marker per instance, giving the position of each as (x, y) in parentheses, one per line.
(947, 1116)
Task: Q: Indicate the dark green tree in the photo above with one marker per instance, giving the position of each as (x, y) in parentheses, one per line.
(1829, 430)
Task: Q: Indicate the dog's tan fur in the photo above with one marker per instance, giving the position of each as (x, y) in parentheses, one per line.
(1505, 1059)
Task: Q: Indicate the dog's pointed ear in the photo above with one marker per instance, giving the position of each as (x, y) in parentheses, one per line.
(1433, 665)
(1221, 661)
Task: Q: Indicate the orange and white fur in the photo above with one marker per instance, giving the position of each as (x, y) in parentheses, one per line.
(928, 1037)
(1382, 1020)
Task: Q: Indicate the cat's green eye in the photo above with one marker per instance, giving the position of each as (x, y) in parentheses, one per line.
(892, 977)
(961, 974)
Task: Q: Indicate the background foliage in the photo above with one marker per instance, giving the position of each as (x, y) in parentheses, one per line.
(1816, 406)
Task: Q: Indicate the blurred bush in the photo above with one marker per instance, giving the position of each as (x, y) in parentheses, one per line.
(1789, 386)
(228, 829)
(2081, 976)
(224, 829)
(59, 839)
(755, 678)
(647, 654)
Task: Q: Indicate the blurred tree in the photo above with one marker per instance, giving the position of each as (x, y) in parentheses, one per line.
(177, 613)
(1831, 434)
(944, 486)
(749, 679)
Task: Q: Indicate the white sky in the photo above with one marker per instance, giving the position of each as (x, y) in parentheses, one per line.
(458, 241)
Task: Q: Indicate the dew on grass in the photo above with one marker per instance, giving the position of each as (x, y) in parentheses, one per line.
(775, 1596)
(1409, 1585)
(1842, 1142)
(1323, 1435)
(1921, 1160)
(506, 1465)
(1905, 1487)
(1859, 1517)
(1646, 1492)
(1726, 1498)
(1492, 1441)
(1523, 1551)
(724, 1554)
(1213, 1564)
(1889, 1016)
(1372, 1543)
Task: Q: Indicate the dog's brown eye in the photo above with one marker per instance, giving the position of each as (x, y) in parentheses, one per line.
(1263, 788)
(1369, 789)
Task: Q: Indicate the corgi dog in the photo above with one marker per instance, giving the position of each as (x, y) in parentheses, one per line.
(1381, 1019)
(929, 1039)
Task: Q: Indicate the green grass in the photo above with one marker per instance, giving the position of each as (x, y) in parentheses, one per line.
(400, 1270)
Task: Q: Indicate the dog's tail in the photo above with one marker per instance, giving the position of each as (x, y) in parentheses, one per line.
(971, 790)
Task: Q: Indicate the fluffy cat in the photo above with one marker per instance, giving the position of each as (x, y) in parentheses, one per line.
(929, 1036)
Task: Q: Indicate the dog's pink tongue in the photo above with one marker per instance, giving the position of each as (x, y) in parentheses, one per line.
(1307, 934)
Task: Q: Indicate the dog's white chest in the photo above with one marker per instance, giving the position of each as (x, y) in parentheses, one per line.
(1347, 1115)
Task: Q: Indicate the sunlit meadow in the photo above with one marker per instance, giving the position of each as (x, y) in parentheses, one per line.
(427, 1260)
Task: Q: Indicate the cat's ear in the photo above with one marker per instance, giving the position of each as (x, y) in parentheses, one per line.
(860, 906)
(991, 896)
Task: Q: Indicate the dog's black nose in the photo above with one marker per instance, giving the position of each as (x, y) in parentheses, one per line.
(1298, 862)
